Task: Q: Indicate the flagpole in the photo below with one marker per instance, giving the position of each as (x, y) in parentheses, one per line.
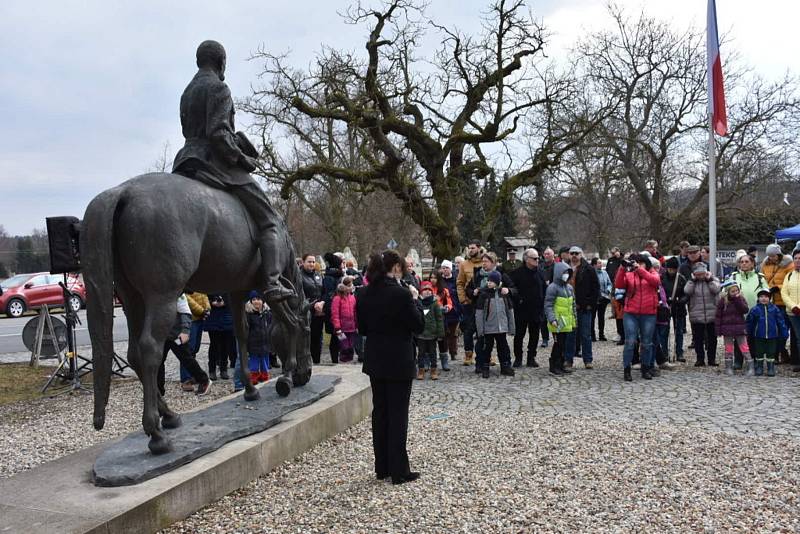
(712, 198)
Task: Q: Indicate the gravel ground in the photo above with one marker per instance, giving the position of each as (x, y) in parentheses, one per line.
(526, 473)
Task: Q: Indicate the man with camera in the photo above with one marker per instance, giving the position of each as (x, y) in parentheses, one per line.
(638, 285)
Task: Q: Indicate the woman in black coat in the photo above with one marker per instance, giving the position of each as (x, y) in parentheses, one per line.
(388, 316)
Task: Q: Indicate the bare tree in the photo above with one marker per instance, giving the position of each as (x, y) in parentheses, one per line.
(418, 129)
(658, 132)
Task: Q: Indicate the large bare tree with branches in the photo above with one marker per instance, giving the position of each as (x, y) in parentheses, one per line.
(416, 128)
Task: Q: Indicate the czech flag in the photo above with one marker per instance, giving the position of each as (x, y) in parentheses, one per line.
(716, 90)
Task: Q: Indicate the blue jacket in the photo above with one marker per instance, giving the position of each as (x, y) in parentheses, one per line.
(766, 322)
(606, 286)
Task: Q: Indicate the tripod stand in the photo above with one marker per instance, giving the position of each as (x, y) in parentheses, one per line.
(71, 366)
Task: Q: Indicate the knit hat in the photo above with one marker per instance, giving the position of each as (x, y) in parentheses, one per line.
(740, 254)
(699, 267)
(563, 250)
(495, 277)
(654, 262)
(575, 249)
(447, 263)
(426, 285)
(729, 283)
(672, 263)
(775, 249)
(254, 295)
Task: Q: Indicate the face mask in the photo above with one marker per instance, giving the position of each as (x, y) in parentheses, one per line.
(565, 277)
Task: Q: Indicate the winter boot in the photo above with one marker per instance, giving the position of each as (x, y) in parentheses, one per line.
(265, 376)
(646, 373)
(759, 367)
(770, 367)
(434, 374)
(518, 361)
(566, 368)
(485, 372)
(421, 374)
(254, 376)
(531, 362)
(555, 368)
(729, 367)
(469, 358)
(507, 371)
(627, 375)
(748, 368)
(445, 358)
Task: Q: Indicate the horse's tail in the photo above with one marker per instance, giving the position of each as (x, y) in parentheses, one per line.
(97, 258)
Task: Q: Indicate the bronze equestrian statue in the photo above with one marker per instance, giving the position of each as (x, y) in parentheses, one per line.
(206, 227)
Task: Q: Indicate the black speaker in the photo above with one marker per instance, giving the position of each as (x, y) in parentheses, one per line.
(62, 236)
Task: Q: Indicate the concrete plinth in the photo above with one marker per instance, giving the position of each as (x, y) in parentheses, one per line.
(60, 497)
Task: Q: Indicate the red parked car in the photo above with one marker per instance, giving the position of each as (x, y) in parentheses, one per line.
(28, 291)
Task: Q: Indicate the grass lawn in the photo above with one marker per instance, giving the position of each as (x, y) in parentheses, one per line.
(20, 381)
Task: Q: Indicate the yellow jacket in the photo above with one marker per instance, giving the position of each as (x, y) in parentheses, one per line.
(198, 303)
(790, 292)
(775, 273)
(465, 273)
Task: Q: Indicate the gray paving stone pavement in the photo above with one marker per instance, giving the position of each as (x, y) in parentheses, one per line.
(704, 398)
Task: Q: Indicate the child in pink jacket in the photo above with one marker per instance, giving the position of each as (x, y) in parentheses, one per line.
(343, 318)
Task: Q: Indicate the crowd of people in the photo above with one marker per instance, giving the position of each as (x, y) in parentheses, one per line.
(544, 298)
(563, 298)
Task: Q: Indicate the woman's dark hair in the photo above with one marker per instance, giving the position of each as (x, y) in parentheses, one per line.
(381, 264)
(307, 255)
(439, 287)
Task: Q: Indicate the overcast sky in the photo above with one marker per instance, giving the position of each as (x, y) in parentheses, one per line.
(89, 90)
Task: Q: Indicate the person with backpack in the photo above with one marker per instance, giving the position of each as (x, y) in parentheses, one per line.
(258, 349)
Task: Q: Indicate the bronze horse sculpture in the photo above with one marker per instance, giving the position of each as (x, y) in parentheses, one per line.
(151, 238)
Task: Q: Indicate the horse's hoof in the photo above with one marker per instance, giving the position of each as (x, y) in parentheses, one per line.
(171, 421)
(283, 386)
(251, 394)
(301, 379)
(159, 445)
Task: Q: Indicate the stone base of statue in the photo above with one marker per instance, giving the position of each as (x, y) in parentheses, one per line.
(130, 462)
(59, 497)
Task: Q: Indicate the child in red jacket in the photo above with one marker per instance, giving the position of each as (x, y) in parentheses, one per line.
(343, 319)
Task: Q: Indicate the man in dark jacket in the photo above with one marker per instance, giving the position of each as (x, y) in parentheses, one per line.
(587, 293)
(216, 154)
(673, 283)
(613, 263)
(330, 281)
(528, 306)
(312, 289)
(546, 268)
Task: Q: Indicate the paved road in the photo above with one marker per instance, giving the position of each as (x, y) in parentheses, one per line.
(757, 406)
(11, 331)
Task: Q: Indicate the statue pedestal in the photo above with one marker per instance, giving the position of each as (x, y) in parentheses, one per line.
(61, 497)
(129, 461)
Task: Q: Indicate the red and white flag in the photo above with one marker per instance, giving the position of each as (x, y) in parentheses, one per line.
(716, 90)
